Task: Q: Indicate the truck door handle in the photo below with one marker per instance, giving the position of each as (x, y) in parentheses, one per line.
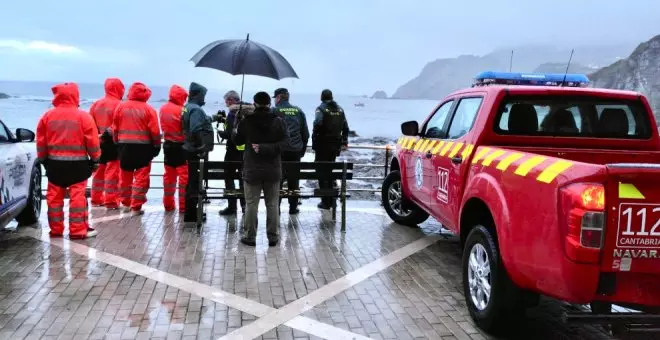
(429, 155)
(457, 160)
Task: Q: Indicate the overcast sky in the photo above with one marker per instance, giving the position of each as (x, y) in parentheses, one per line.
(351, 46)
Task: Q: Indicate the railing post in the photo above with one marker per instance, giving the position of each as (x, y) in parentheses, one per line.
(387, 160)
(206, 181)
(343, 197)
(201, 195)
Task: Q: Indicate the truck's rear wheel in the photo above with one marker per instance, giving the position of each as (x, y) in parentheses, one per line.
(492, 299)
(397, 207)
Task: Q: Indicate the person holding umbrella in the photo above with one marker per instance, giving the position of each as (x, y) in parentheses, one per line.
(262, 132)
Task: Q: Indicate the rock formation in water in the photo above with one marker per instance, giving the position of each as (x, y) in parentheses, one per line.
(4, 96)
(639, 72)
(379, 95)
(443, 76)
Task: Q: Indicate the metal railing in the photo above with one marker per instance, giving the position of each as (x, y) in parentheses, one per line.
(386, 149)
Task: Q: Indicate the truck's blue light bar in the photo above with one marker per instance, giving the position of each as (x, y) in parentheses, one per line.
(538, 79)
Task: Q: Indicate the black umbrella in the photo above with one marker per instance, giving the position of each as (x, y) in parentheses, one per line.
(244, 57)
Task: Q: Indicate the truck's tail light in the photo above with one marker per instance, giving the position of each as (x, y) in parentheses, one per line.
(583, 215)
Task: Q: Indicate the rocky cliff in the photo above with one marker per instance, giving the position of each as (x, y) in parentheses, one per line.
(440, 77)
(4, 96)
(379, 95)
(639, 72)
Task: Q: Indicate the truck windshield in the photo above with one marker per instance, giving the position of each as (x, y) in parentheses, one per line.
(573, 117)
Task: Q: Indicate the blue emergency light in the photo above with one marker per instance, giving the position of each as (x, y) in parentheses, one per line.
(537, 79)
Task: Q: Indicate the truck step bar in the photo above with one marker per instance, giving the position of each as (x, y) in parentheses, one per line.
(630, 322)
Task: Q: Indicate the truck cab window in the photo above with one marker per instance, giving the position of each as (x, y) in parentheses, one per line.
(573, 117)
(435, 127)
(466, 112)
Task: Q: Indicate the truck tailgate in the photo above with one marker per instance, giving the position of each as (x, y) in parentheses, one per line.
(632, 241)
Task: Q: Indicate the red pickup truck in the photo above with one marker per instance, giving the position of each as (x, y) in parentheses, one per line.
(553, 188)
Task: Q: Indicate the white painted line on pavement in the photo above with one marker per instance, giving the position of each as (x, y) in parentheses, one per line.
(295, 308)
(301, 323)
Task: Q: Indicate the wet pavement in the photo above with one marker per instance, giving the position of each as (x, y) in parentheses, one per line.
(152, 277)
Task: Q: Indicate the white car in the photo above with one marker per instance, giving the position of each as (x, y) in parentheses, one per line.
(20, 177)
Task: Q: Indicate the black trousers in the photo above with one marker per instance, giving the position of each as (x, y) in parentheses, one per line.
(291, 175)
(192, 189)
(234, 156)
(325, 179)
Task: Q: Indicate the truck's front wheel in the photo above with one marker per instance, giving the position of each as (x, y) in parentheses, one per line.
(492, 299)
(397, 207)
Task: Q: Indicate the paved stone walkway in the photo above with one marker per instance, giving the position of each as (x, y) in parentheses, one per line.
(152, 277)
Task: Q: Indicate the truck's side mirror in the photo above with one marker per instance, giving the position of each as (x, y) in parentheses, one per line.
(410, 128)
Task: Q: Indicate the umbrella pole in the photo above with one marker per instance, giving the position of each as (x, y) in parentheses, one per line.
(242, 84)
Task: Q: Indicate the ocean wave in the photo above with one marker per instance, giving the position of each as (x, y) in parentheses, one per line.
(43, 99)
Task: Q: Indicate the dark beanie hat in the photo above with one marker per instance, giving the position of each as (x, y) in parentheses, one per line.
(262, 98)
(326, 95)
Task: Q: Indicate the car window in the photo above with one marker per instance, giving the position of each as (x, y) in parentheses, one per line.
(574, 117)
(466, 112)
(435, 128)
(4, 135)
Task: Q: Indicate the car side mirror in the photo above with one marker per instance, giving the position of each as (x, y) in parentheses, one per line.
(410, 128)
(25, 135)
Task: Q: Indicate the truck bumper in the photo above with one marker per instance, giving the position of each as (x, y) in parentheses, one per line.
(635, 290)
(586, 283)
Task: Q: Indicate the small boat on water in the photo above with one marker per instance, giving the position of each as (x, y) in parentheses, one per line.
(359, 104)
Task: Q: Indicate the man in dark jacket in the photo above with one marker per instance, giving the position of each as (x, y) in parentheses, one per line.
(234, 152)
(293, 149)
(262, 132)
(198, 141)
(329, 138)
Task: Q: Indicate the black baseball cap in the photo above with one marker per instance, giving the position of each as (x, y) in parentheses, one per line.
(262, 98)
(280, 91)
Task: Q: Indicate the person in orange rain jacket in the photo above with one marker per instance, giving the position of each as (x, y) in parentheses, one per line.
(175, 156)
(135, 129)
(106, 177)
(68, 148)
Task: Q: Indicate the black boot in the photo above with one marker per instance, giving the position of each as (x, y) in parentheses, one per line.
(228, 211)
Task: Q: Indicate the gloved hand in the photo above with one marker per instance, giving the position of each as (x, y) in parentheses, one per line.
(93, 166)
(106, 137)
(155, 151)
